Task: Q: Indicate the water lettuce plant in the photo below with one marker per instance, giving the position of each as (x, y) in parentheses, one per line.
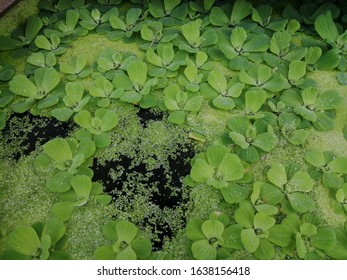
(154, 33)
(52, 44)
(135, 87)
(41, 241)
(251, 139)
(242, 48)
(194, 41)
(128, 242)
(217, 167)
(213, 238)
(103, 121)
(241, 10)
(311, 240)
(180, 103)
(69, 156)
(124, 28)
(164, 60)
(32, 28)
(111, 62)
(40, 60)
(80, 190)
(36, 92)
(169, 12)
(296, 188)
(260, 233)
(314, 106)
(326, 166)
(74, 101)
(76, 68)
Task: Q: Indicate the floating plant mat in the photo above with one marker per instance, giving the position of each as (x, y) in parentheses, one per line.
(173, 130)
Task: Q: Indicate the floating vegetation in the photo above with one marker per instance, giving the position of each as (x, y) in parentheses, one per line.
(177, 129)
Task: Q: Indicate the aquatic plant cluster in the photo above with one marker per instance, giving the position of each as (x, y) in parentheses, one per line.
(248, 62)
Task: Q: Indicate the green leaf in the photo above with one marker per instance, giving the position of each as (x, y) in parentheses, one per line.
(280, 42)
(329, 60)
(202, 250)
(244, 215)
(55, 229)
(338, 165)
(215, 155)
(110, 230)
(232, 237)
(231, 168)
(325, 239)
(212, 229)
(241, 9)
(33, 26)
(250, 240)
(328, 100)
(142, 248)
(223, 102)
(265, 141)
(58, 149)
(315, 157)
(193, 229)
(271, 194)
(265, 250)
(239, 139)
(137, 71)
(177, 117)
(297, 70)
(201, 171)
(238, 37)
(308, 229)
(218, 81)
(22, 86)
(60, 182)
(342, 78)
(300, 246)
(24, 240)
(191, 31)
(280, 235)
(132, 16)
(117, 23)
(126, 231)
(277, 175)
(254, 99)
(63, 210)
(326, 28)
(82, 186)
(300, 182)
(263, 221)
(105, 253)
(309, 95)
(301, 202)
(313, 55)
(234, 193)
(127, 254)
